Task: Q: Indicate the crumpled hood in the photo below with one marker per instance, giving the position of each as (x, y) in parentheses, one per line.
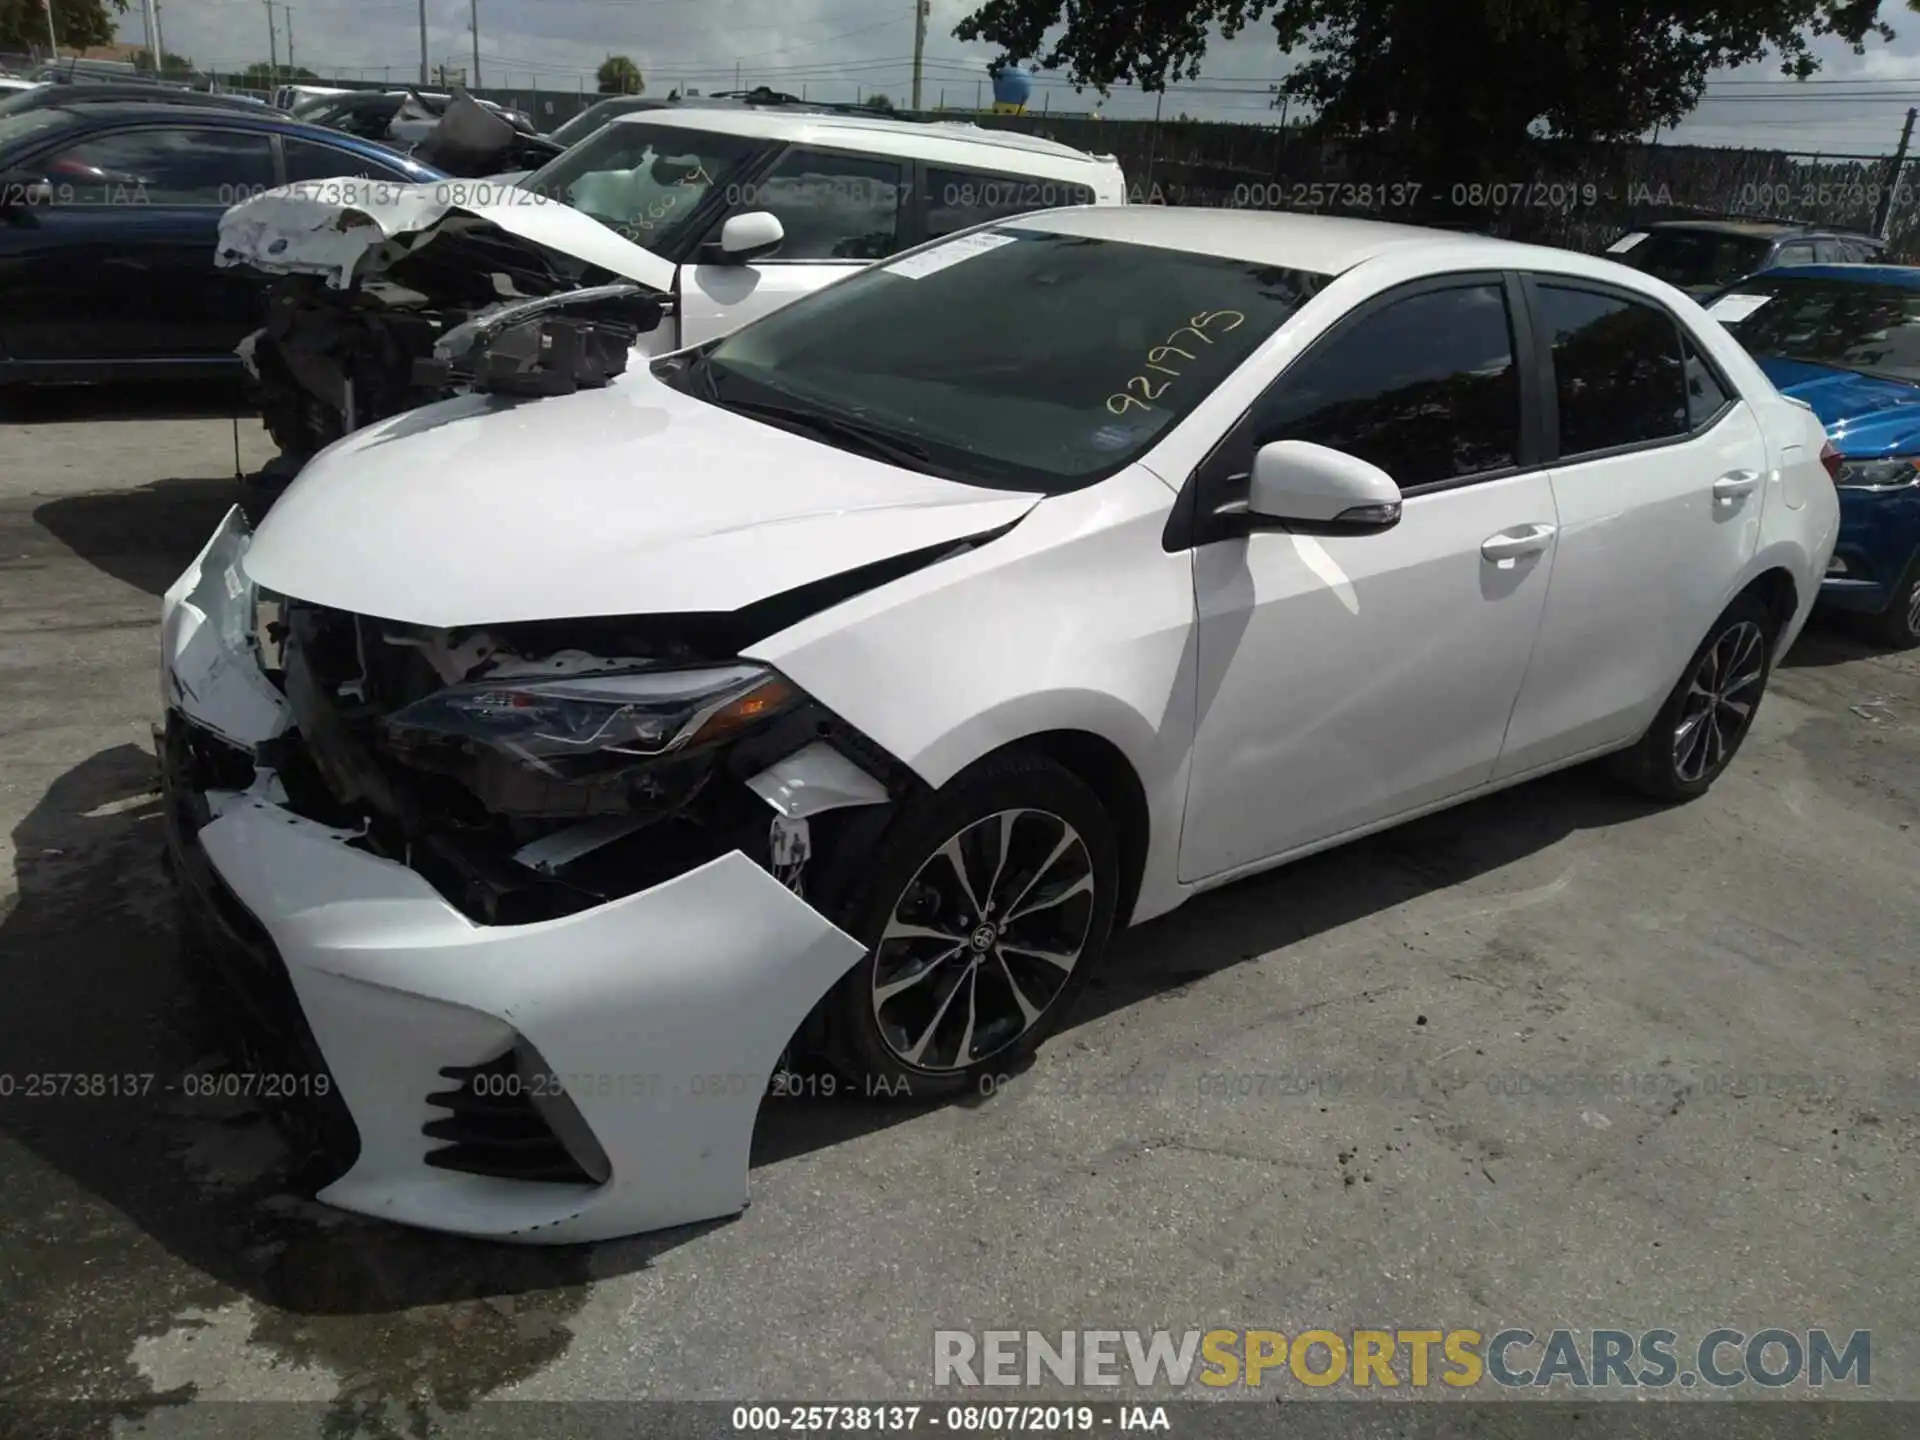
(628, 500)
(330, 227)
(1865, 415)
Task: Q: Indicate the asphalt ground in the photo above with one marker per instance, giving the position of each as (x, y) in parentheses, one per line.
(1557, 1058)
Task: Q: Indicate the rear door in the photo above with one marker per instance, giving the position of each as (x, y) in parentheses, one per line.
(1658, 479)
(120, 267)
(841, 211)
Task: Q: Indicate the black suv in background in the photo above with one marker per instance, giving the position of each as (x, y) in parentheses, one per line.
(1703, 257)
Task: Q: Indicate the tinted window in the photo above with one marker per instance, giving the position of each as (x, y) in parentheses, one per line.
(1847, 324)
(1014, 358)
(163, 167)
(958, 199)
(1797, 254)
(1617, 372)
(308, 161)
(643, 180)
(1426, 389)
(1706, 397)
(833, 207)
(1696, 257)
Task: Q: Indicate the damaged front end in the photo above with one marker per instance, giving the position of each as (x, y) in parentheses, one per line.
(535, 896)
(388, 298)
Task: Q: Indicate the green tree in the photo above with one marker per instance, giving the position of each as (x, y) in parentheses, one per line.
(1469, 78)
(77, 23)
(619, 76)
(174, 66)
(262, 73)
(881, 102)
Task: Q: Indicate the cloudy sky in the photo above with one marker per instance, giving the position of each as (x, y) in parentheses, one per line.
(839, 49)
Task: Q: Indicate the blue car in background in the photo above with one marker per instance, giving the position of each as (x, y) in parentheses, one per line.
(1845, 339)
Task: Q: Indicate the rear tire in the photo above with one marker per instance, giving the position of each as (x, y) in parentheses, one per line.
(1704, 721)
(984, 907)
(1898, 626)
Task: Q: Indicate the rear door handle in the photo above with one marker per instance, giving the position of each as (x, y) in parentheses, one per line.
(1735, 485)
(1506, 549)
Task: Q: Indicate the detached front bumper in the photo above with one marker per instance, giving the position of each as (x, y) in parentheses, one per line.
(574, 1079)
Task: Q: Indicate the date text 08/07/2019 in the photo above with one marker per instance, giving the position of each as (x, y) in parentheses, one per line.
(953, 1419)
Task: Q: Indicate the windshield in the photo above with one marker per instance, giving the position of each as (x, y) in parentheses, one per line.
(645, 181)
(1697, 257)
(594, 117)
(1849, 324)
(1014, 358)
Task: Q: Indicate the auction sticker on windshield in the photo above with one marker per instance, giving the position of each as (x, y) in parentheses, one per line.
(961, 247)
(1729, 308)
(1626, 242)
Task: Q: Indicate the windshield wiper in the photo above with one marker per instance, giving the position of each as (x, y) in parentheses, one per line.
(876, 442)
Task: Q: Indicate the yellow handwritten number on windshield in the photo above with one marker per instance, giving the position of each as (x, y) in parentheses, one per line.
(1127, 398)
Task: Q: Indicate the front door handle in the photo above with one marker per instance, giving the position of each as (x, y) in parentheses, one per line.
(1735, 485)
(1506, 549)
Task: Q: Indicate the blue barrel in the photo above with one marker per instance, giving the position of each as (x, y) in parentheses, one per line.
(1012, 88)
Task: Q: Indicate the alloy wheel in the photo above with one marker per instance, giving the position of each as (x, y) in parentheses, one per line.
(982, 940)
(1913, 607)
(1720, 699)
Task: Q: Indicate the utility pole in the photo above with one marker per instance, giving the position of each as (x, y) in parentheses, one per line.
(53, 41)
(159, 39)
(474, 8)
(153, 55)
(1883, 213)
(424, 78)
(289, 10)
(736, 74)
(273, 48)
(920, 8)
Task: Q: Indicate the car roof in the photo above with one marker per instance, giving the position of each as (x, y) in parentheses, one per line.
(1762, 229)
(1903, 276)
(54, 95)
(1324, 244)
(920, 139)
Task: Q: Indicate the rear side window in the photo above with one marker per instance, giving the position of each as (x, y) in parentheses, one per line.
(308, 161)
(1706, 396)
(959, 199)
(1424, 387)
(163, 166)
(832, 207)
(1798, 253)
(1833, 252)
(1618, 377)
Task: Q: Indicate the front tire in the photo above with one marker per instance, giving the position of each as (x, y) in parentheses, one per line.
(1700, 729)
(984, 907)
(1898, 626)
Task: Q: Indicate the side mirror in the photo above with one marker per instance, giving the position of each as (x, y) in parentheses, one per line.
(747, 237)
(24, 187)
(1311, 489)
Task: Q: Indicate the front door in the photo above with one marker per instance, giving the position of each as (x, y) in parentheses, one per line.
(840, 212)
(1344, 680)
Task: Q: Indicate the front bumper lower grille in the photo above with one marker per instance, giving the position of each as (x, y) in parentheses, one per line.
(496, 1125)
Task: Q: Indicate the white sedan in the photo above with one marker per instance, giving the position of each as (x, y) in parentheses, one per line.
(542, 772)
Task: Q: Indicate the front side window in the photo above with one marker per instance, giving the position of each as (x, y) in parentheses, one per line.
(644, 181)
(1617, 371)
(1015, 358)
(832, 207)
(961, 199)
(1424, 387)
(1794, 255)
(1845, 324)
(309, 161)
(173, 166)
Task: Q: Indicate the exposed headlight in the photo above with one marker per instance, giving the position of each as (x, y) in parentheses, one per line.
(618, 717)
(1896, 472)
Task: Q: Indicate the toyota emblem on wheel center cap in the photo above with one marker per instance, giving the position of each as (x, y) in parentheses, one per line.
(982, 938)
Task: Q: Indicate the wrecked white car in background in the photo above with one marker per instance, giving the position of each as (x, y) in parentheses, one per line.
(542, 770)
(727, 214)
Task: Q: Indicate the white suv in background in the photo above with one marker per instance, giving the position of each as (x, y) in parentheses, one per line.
(755, 208)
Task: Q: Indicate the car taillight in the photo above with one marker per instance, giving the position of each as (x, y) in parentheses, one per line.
(1830, 458)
